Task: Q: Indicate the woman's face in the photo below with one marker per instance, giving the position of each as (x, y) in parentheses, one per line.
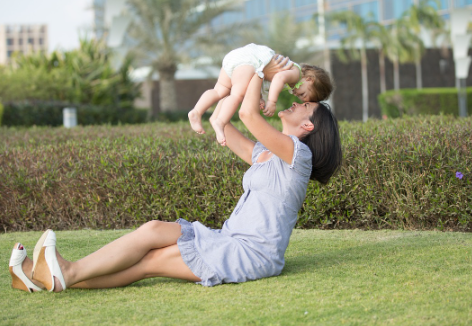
(298, 113)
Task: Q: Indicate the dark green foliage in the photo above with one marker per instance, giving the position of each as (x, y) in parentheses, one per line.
(38, 113)
(397, 174)
(38, 86)
(426, 101)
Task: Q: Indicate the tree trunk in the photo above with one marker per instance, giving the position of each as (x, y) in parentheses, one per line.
(327, 66)
(419, 77)
(365, 91)
(168, 99)
(396, 75)
(383, 84)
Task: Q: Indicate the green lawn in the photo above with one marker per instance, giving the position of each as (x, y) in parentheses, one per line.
(330, 278)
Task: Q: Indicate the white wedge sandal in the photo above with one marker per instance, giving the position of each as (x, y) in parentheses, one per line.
(45, 264)
(19, 280)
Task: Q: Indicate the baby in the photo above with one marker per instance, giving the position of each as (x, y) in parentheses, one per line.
(308, 83)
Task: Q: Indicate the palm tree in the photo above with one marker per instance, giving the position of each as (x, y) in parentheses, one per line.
(279, 36)
(383, 40)
(167, 32)
(423, 15)
(359, 32)
(402, 48)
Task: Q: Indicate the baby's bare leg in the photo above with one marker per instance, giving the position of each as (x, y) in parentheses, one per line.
(240, 79)
(208, 98)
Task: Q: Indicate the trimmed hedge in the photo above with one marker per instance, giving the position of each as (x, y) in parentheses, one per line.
(426, 101)
(397, 174)
(38, 113)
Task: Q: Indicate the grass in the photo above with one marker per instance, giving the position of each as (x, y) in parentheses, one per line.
(341, 277)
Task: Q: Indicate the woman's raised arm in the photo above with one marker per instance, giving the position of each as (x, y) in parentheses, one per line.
(235, 140)
(278, 143)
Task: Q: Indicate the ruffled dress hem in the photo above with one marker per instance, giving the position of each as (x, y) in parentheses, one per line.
(192, 257)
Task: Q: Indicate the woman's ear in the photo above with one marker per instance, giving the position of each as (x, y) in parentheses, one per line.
(308, 126)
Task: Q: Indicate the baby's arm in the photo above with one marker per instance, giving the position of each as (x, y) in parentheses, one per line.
(280, 79)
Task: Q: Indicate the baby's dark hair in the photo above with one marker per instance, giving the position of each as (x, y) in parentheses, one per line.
(324, 143)
(322, 84)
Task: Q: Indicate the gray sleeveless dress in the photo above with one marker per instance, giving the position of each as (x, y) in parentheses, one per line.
(252, 242)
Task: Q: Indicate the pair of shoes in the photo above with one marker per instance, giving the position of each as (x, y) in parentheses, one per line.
(45, 264)
(19, 280)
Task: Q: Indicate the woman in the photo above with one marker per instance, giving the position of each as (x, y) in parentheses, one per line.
(252, 242)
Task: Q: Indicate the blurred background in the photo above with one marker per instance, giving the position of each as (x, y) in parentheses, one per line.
(142, 60)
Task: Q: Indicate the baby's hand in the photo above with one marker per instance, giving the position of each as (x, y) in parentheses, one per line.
(269, 109)
(261, 104)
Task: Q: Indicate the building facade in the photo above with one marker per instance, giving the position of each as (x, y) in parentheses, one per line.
(384, 11)
(22, 39)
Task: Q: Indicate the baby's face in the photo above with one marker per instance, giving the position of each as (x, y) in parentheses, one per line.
(304, 92)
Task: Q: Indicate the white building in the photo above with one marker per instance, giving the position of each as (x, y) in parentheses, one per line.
(22, 39)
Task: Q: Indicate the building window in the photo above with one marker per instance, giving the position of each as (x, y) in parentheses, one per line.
(393, 9)
(254, 9)
(368, 10)
(20, 41)
(40, 41)
(31, 41)
(278, 5)
(301, 3)
(9, 54)
(10, 41)
(462, 3)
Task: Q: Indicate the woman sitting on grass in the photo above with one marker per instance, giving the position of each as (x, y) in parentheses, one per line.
(252, 242)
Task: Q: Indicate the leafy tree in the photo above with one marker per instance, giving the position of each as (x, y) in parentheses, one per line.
(285, 36)
(82, 76)
(359, 32)
(404, 46)
(423, 16)
(167, 32)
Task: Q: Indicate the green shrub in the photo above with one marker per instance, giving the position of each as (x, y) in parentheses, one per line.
(40, 113)
(398, 173)
(427, 101)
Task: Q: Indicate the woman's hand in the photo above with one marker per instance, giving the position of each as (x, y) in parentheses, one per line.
(277, 64)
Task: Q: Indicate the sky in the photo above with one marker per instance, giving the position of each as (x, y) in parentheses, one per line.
(66, 19)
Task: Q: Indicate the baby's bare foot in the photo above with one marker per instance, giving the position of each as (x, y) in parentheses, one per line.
(219, 130)
(196, 122)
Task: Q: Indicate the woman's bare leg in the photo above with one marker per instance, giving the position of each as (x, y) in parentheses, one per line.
(240, 79)
(122, 253)
(208, 98)
(164, 262)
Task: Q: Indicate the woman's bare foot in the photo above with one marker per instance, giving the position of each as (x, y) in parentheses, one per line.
(219, 130)
(196, 122)
(27, 267)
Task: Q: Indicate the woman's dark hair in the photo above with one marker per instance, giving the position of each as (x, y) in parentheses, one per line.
(324, 143)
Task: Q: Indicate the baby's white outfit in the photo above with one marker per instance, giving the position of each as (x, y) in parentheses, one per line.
(254, 55)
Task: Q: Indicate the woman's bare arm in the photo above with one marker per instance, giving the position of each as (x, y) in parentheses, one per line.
(279, 144)
(236, 141)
